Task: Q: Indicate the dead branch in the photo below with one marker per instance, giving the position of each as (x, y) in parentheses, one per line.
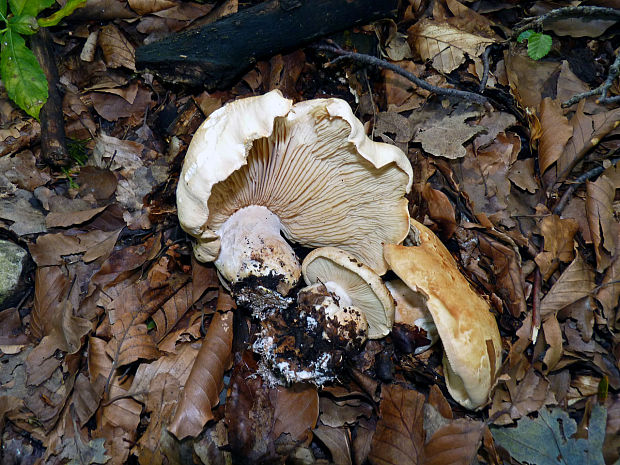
(601, 90)
(53, 145)
(374, 61)
(587, 12)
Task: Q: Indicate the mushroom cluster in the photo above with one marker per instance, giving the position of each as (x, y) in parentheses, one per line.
(261, 174)
(261, 168)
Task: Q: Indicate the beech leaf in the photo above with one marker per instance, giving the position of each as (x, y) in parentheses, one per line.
(456, 443)
(600, 210)
(556, 131)
(205, 381)
(399, 437)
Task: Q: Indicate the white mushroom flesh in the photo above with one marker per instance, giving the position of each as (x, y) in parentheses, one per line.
(251, 245)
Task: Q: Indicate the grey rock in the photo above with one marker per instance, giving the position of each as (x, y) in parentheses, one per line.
(12, 261)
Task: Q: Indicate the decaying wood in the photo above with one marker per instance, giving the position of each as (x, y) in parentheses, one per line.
(216, 54)
(53, 145)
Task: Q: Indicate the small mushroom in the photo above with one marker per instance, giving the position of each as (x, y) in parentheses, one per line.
(414, 327)
(259, 168)
(467, 328)
(354, 283)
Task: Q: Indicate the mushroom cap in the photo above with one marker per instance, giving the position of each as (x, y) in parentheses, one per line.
(311, 164)
(463, 318)
(341, 272)
(411, 310)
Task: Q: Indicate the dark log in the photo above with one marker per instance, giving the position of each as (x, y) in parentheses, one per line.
(53, 148)
(215, 55)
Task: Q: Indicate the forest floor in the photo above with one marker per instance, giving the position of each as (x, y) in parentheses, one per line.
(120, 347)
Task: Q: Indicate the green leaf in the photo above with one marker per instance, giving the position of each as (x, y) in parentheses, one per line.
(29, 7)
(538, 45)
(548, 440)
(3, 10)
(525, 35)
(23, 78)
(65, 11)
(23, 24)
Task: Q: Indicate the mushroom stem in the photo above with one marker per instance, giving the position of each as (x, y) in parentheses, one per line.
(251, 246)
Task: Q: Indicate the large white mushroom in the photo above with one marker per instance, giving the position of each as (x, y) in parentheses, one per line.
(466, 326)
(261, 167)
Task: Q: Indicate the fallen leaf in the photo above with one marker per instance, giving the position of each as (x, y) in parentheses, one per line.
(456, 443)
(433, 138)
(144, 7)
(494, 123)
(579, 26)
(99, 183)
(553, 338)
(575, 282)
(528, 78)
(551, 435)
(18, 208)
(440, 210)
(528, 395)
(117, 50)
(399, 437)
(21, 170)
(507, 271)
(600, 196)
(50, 249)
(202, 389)
(444, 45)
(556, 131)
(558, 234)
(338, 441)
(521, 174)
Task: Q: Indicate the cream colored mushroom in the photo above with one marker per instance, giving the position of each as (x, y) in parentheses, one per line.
(261, 167)
(355, 284)
(467, 328)
(412, 314)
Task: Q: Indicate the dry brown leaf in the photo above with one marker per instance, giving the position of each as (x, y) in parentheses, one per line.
(202, 389)
(468, 20)
(600, 196)
(399, 437)
(65, 219)
(559, 245)
(569, 85)
(527, 395)
(338, 441)
(588, 131)
(521, 174)
(494, 123)
(21, 170)
(527, 77)
(144, 7)
(303, 400)
(609, 292)
(454, 444)
(439, 402)
(114, 107)
(131, 343)
(433, 140)
(553, 338)
(507, 271)
(440, 210)
(556, 131)
(579, 26)
(117, 50)
(611, 446)
(575, 282)
(99, 183)
(50, 249)
(444, 45)
(177, 365)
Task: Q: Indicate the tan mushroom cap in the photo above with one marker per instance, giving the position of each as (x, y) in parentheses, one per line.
(311, 164)
(350, 279)
(463, 318)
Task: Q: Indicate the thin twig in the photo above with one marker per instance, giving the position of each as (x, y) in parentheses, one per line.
(485, 70)
(601, 90)
(589, 12)
(374, 61)
(557, 210)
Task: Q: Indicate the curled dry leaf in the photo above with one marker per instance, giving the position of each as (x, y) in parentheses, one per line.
(338, 441)
(117, 50)
(527, 77)
(444, 45)
(576, 282)
(399, 437)
(558, 247)
(144, 7)
(553, 338)
(556, 131)
(202, 389)
(603, 225)
(508, 273)
(456, 443)
(433, 140)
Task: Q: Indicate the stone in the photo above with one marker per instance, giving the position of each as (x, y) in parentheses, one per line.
(12, 261)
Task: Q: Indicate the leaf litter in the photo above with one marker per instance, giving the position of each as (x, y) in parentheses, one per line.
(123, 344)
